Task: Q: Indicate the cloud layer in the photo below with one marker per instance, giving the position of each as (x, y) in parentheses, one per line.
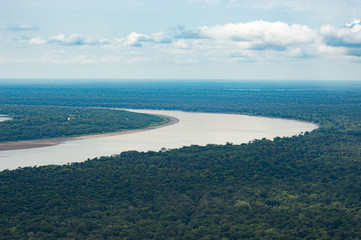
(347, 37)
(249, 41)
(75, 39)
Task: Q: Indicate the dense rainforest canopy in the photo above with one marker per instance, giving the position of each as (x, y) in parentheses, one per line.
(302, 187)
(39, 122)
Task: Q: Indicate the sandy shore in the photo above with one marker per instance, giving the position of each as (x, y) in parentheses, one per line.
(55, 141)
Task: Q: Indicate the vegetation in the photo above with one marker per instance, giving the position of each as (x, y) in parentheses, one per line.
(302, 187)
(39, 122)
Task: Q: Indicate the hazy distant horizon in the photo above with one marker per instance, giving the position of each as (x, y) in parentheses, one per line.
(180, 83)
(220, 80)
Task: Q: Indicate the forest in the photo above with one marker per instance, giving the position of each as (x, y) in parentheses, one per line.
(42, 122)
(301, 187)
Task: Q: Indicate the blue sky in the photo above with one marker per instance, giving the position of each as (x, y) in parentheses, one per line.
(181, 39)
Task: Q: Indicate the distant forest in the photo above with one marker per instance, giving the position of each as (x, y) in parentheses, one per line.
(301, 187)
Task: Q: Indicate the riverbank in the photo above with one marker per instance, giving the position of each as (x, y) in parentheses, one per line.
(55, 141)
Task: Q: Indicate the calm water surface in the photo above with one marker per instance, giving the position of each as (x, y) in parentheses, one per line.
(193, 128)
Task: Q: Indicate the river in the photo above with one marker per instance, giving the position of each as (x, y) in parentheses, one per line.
(192, 128)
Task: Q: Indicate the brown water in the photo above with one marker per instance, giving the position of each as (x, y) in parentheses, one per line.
(193, 128)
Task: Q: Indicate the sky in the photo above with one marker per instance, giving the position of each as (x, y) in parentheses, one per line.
(181, 39)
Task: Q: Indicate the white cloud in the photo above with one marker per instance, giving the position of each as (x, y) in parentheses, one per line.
(250, 41)
(37, 40)
(138, 40)
(354, 26)
(134, 39)
(181, 43)
(28, 40)
(246, 39)
(262, 34)
(75, 40)
(347, 37)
